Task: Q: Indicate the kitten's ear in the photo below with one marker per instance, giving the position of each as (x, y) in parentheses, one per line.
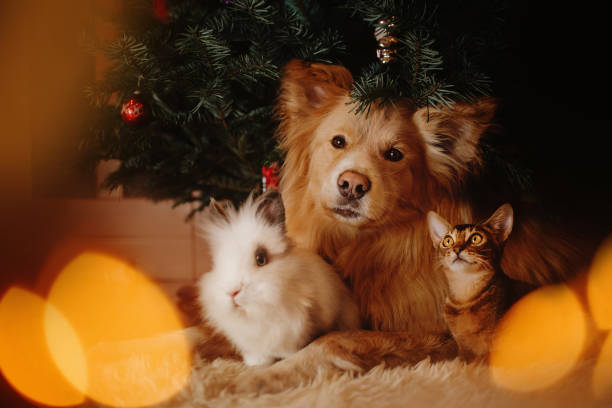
(438, 227)
(452, 136)
(270, 206)
(219, 210)
(501, 222)
(308, 86)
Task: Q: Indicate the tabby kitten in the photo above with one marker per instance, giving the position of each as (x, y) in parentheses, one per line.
(479, 292)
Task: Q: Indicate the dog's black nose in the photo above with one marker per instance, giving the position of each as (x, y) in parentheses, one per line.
(353, 185)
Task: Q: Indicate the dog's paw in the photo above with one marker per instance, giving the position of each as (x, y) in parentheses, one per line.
(301, 368)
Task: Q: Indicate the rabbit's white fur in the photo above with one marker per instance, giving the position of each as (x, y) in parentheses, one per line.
(282, 305)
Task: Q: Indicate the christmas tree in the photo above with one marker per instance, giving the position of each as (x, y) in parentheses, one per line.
(188, 106)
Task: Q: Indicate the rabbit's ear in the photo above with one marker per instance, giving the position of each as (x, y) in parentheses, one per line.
(219, 210)
(270, 206)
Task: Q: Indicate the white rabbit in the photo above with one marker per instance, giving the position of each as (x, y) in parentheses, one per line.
(267, 297)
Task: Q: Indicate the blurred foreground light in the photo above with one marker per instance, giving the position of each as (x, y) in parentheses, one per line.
(599, 287)
(125, 324)
(539, 340)
(599, 291)
(602, 374)
(25, 359)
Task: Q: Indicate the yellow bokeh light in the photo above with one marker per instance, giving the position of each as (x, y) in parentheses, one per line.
(65, 347)
(105, 332)
(602, 374)
(138, 372)
(121, 318)
(539, 340)
(25, 360)
(599, 287)
(108, 300)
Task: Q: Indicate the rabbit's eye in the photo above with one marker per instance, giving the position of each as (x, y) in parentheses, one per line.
(261, 256)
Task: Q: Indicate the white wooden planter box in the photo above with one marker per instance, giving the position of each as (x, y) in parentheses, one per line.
(153, 237)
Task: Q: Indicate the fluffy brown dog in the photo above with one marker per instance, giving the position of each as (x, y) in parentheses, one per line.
(357, 189)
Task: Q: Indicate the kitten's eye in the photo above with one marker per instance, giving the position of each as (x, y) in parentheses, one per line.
(447, 241)
(393, 155)
(476, 239)
(261, 257)
(338, 142)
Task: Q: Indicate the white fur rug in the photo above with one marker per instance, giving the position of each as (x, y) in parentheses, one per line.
(433, 385)
(444, 384)
(146, 366)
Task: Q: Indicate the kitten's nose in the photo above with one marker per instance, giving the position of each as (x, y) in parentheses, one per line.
(458, 249)
(353, 185)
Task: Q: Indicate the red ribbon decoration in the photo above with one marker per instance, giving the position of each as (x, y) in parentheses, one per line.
(161, 10)
(270, 177)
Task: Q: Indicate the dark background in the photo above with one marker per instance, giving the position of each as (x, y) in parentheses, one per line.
(554, 84)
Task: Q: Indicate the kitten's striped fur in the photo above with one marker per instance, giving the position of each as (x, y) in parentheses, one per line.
(479, 292)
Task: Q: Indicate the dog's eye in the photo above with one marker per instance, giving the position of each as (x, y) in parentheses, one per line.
(393, 155)
(261, 257)
(338, 142)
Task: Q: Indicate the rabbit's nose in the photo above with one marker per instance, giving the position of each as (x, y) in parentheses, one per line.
(234, 296)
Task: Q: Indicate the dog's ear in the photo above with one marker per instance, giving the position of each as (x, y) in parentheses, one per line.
(308, 86)
(452, 137)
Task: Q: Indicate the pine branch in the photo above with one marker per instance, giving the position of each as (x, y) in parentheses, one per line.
(375, 85)
(257, 10)
(248, 70)
(202, 41)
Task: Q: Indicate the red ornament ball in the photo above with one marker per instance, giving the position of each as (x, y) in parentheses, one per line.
(133, 110)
